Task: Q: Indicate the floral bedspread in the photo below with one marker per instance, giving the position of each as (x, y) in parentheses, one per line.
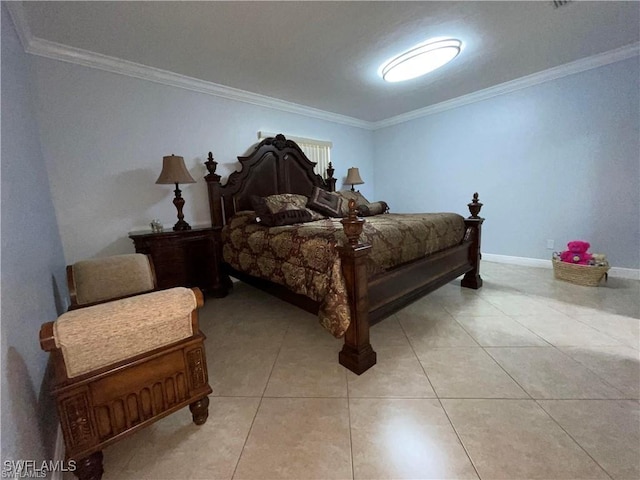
(304, 257)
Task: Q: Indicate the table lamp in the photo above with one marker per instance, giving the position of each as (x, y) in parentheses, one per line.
(175, 171)
(353, 177)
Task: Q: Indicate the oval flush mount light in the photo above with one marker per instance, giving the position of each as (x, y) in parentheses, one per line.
(420, 60)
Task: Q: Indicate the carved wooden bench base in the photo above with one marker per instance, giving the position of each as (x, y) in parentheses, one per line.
(103, 407)
(91, 468)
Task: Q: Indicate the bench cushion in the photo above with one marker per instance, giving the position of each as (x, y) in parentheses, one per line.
(94, 337)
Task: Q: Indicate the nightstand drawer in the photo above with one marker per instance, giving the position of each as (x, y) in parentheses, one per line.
(184, 258)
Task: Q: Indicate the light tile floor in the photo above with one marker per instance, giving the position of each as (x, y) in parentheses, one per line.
(527, 378)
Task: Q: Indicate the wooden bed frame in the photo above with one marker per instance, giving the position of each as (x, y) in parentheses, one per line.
(277, 165)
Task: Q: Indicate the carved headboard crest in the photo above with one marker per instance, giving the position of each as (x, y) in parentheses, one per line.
(276, 165)
(280, 142)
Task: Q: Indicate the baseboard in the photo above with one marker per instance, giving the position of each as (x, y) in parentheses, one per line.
(522, 261)
(58, 455)
(630, 273)
(618, 272)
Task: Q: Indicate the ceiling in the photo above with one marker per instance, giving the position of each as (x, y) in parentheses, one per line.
(326, 55)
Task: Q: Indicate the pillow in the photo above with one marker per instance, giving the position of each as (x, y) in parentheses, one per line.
(375, 208)
(285, 201)
(356, 195)
(260, 206)
(272, 211)
(285, 217)
(348, 195)
(329, 203)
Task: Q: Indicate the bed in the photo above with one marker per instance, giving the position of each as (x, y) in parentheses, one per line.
(363, 284)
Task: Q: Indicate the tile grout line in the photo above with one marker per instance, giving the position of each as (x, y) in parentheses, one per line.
(441, 398)
(353, 466)
(235, 468)
(244, 445)
(498, 363)
(533, 346)
(417, 357)
(571, 437)
(455, 430)
(440, 403)
(550, 344)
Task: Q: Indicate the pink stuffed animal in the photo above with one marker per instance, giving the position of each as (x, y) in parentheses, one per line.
(576, 253)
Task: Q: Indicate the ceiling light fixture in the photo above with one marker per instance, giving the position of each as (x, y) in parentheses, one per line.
(420, 60)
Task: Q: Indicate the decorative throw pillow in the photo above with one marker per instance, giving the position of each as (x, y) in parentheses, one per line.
(356, 195)
(329, 203)
(285, 217)
(315, 215)
(375, 208)
(348, 195)
(285, 201)
(260, 206)
(271, 210)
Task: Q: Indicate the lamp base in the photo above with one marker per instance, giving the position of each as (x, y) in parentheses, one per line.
(179, 203)
(181, 225)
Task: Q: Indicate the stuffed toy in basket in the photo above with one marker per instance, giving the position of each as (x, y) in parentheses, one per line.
(577, 265)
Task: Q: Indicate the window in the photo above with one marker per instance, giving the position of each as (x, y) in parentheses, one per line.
(318, 151)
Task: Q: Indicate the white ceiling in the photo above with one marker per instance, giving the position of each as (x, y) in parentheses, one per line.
(326, 54)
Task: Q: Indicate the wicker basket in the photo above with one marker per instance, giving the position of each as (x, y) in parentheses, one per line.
(587, 275)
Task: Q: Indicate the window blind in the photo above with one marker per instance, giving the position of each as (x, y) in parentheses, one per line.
(318, 151)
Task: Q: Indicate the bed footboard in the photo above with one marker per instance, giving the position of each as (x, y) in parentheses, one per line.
(400, 287)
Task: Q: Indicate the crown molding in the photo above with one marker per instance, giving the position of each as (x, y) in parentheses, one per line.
(56, 51)
(65, 53)
(584, 64)
(78, 56)
(16, 12)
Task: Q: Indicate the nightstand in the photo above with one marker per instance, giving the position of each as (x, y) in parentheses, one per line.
(187, 258)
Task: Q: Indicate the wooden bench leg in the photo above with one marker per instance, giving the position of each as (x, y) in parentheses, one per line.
(200, 410)
(90, 468)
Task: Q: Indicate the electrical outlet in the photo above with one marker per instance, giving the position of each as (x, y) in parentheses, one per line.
(550, 244)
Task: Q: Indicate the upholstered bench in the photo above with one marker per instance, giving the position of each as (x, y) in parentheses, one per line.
(122, 365)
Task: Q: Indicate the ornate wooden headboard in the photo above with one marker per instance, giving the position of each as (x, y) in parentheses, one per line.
(276, 165)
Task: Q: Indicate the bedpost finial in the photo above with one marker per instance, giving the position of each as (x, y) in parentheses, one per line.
(330, 170)
(352, 224)
(211, 165)
(474, 206)
(330, 180)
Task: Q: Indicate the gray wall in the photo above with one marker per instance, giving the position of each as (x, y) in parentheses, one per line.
(32, 264)
(559, 161)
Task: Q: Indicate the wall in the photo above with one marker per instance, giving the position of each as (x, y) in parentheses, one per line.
(32, 265)
(104, 136)
(559, 161)
(555, 161)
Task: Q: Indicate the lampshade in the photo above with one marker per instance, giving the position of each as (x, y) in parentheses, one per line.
(353, 177)
(174, 171)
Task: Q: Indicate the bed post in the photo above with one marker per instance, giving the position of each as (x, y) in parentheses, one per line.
(330, 181)
(357, 354)
(472, 278)
(221, 281)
